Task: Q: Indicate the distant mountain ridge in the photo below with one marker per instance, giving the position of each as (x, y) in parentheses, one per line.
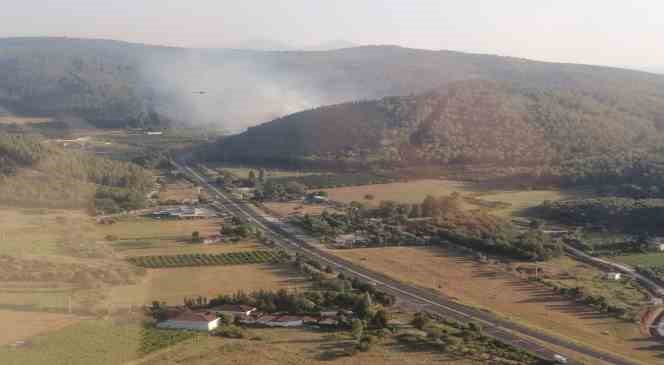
(114, 84)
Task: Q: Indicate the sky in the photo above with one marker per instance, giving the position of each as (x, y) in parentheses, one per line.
(606, 32)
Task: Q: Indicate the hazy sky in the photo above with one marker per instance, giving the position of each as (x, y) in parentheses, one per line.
(611, 32)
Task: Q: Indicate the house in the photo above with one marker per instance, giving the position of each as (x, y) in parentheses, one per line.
(235, 310)
(191, 320)
(280, 321)
(613, 276)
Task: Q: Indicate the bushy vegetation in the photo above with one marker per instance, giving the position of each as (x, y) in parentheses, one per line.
(153, 339)
(636, 216)
(230, 258)
(452, 337)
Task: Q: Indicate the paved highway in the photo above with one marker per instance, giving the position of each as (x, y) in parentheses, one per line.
(293, 240)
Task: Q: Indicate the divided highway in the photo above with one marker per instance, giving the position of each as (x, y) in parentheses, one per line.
(293, 240)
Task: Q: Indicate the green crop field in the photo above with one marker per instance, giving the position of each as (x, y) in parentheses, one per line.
(99, 342)
(230, 258)
(646, 259)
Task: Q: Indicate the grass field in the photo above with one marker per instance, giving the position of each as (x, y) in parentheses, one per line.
(99, 341)
(28, 324)
(519, 201)
(402, 192)
(294, 347)
(287, 209)
(570, 273)
(178, 190)
(646, 259)
(42, 231)
(494, 288)
(173, 285)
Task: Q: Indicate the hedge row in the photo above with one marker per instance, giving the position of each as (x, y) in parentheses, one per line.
(231, 258)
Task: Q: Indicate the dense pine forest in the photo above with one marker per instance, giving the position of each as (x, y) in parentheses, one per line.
(33, 173)
(556, 132)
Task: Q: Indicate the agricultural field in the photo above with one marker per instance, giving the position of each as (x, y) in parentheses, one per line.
(645, 259)
(29, 324)
(174, 284)
(197, 259)
(402, 192)
(178, 190)
(568, 273)
(296, 347)
(42, 231)
(518, 202)
(496, 288)
(287, 209)
(98, 341)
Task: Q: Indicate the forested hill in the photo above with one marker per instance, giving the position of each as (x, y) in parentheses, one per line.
(467, 122)
(35, 174)
(115, 83)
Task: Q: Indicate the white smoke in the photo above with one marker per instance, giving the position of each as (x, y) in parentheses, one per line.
(202, 87)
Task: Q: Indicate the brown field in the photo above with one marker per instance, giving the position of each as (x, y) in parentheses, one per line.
(172, 285)
(287, 209)
(22, 325)
(402, 192)
(178, 190)
(294, 347)
(495, 289)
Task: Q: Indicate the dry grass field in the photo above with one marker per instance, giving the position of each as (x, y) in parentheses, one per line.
(178, 190)
(42, 231)
(294, 347)
(288, 209)
(173, 285)
(402, 192)
(21, 325)
(494, 288)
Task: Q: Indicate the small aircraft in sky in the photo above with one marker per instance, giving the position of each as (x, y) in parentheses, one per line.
(200, 92)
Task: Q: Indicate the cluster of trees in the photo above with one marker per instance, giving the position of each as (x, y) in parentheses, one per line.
(71, 178)
(612, 213)
(453, 337)
(596, 301)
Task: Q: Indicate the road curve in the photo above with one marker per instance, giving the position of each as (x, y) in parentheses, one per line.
(503, 330)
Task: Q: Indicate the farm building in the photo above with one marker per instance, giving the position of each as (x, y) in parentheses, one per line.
(191, 320)
(613, 276)
(181, 212)
(235, 310)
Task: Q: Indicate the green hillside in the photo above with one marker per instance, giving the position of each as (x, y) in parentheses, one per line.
(468, 122)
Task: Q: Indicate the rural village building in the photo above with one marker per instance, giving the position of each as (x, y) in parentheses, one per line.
(235, 310)
(191, 320)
